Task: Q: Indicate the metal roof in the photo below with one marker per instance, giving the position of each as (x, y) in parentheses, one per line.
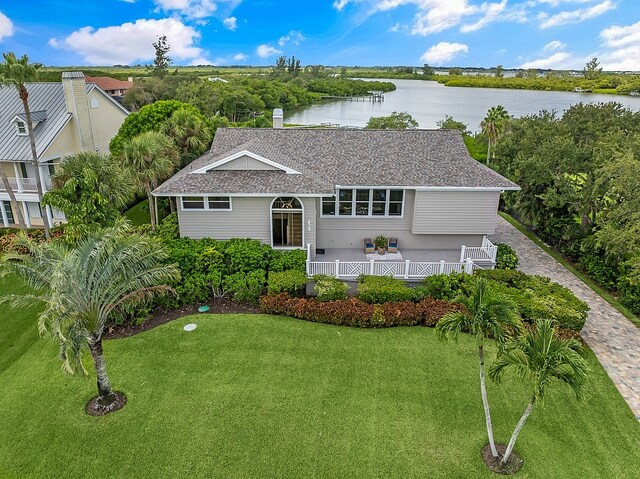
(36, 116)
(43, 97)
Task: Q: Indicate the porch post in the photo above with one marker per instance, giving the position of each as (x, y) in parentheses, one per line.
(468, 266)
(308, 257)
(462, 252)
(337, 268)
(16, 171)
(406, 269)
(27, 218)
(441, 266)
(49, 215)
(5, 218)
(371, 265)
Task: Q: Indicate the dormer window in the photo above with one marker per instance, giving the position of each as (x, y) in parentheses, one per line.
(21, 127)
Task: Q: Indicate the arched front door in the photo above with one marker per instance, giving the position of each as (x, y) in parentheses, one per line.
(286, 222)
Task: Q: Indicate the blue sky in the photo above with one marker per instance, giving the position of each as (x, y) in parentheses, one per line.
(514, 33)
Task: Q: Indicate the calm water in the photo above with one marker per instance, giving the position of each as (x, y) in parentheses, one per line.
(429, 101)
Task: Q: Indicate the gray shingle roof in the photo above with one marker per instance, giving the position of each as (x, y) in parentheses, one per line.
(330, 157)
(43, 97)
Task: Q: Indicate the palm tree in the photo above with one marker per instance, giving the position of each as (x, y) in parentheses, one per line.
(191, 134)
(17, 72)
(486, 314)
(82, 287)
(150, 157)
(540, 356)
(12, 199)
(493, 126)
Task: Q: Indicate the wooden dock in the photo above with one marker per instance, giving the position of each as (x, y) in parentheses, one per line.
(376, 96)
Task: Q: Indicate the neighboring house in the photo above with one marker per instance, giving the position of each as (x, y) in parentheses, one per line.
(326, 189)
(111, 86)
(68, 118)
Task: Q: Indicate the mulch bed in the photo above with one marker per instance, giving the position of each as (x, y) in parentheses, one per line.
(94, 408)
(162, 316)
(513, 465)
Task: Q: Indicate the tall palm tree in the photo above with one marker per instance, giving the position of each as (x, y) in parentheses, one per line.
(541, 357)
(486, 314)
(12, 198)
(150, 157)
(191, 135)
(17, 72)
(493, 126)
(82, 287)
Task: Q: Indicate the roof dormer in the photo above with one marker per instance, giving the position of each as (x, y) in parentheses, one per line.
(21, 121)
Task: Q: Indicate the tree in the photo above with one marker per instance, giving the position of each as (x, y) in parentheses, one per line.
(493, 126)
(161, 61)
(450, 124)
(12, 198)
(499, 71)
(486, 314)
(395, 121)
(90, 188)
(17, 72)
(427, 70)
(149, 158)
(591, 70)
(190, 133)
(293, 66)
(82, 287)
(542, 358)
(455, 71)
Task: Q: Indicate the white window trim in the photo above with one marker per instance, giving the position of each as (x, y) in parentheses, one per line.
(26, 128)
(286, 210)
(206, 203)
(353, 204)
(266, 161)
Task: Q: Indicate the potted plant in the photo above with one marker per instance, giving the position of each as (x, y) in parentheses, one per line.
(381, 243)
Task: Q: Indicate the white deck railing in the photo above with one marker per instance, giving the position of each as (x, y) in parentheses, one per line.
(485, 253)
(19, 185)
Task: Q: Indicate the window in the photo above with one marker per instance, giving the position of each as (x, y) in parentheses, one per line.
(23, 170)
(361, 202)
(219, 203)
(22, 127)
(286, 222)
(9, 212)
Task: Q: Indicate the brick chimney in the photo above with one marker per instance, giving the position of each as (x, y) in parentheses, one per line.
(75, 95)
(278, 118)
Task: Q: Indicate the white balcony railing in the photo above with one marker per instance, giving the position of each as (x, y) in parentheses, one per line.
(19, 185)
(485, 253)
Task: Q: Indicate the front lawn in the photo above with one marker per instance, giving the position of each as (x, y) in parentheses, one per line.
(265, 396)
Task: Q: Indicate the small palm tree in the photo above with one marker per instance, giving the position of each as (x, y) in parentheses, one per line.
(486, 314)
(493, 126)
(541, 357)
(12, 198)
(191, 135)
(150, 157)
(82, 288)
(17, 72)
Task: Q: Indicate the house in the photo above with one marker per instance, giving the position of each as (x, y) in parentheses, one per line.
(326, 189)
(111, 86)
(68, 118)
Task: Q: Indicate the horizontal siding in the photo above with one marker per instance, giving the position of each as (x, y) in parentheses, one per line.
(245, 163)
(105, 120)
(455, 212)
(66, 143)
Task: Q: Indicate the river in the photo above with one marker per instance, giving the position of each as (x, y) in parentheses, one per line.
(429, 101)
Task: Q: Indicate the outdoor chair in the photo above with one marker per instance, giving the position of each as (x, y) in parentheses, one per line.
(368, 246)
(392, 246)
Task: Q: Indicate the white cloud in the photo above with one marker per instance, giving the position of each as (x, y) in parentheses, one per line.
(230, 23)
(556, 61)
(195, 9)
(240, 57)
(293, 36)
(577, 16)
(265, 51)
(6, 26)
(554, 45)
(623, 43)
(394, 28)
(128, 1)
(555, 3)
(491, 13)
(443, 52)
(200, 61)
(131, 42)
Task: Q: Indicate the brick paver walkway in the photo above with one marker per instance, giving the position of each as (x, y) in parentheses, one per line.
(611, 336)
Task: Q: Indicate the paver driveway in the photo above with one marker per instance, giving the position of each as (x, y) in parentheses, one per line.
(611, 336)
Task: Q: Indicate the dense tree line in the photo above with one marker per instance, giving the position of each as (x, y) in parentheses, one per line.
(580, 179)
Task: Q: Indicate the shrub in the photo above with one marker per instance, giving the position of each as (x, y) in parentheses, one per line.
(290, 281)
(246, 255)
(593, 261)
(244, 286)
(328, 288)
(295, 259)
(506, 257)
(169, 229)
(447, 286)
(383, 289)
(629, 294)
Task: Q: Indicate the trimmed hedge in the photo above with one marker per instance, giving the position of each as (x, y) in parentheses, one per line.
(506, 257)
(328, 288)
(383, 289)
(354, 312)
(290, 281)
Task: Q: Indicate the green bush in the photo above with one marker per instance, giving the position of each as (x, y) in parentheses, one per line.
(246, 255)
(506, 257)
(383, 289)
(328, 288)
(593, 261)
(245, 286)
(295, 259)
(446, 286)
(629, 294)
(168, 229)
(290, 281)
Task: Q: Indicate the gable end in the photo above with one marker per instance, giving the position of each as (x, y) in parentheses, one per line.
(246, 160)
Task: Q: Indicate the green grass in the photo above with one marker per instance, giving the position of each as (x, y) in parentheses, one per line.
(139, 214)
(599, 290)
(263, 396)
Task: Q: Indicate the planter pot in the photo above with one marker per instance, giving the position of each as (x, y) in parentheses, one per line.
(381, 251)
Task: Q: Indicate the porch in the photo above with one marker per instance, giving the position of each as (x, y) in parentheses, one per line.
(410, 264)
